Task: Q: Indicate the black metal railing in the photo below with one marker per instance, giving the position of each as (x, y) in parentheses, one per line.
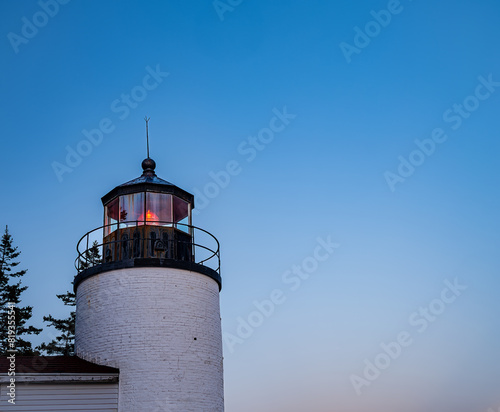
(157, 240)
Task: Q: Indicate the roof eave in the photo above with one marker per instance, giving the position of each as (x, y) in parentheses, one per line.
(148, 187)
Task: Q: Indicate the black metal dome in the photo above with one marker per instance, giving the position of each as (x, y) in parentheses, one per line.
(148, 182)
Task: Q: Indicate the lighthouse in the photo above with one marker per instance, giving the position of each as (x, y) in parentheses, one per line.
(147, 299)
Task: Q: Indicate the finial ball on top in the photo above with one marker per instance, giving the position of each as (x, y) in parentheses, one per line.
(148, 165)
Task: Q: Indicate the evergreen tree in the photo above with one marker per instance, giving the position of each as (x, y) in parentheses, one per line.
(10, 295)
(64, 344)
(91, 257)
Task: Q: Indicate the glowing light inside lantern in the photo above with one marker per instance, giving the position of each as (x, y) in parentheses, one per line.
(150, 217)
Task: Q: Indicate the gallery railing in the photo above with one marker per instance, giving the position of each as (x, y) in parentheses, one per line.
(152, 240)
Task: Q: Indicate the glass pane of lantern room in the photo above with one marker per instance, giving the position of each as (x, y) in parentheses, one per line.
(158, 209)
(181, 214)
(111, 217)
(131, 209)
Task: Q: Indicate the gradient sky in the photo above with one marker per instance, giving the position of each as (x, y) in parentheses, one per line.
(324, 175)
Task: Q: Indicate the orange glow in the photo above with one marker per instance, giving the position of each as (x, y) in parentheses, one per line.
(150, 217)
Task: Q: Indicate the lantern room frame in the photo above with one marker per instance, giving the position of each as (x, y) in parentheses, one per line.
(147, 208)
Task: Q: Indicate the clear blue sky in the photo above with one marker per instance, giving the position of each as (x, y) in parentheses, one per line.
(358, 94)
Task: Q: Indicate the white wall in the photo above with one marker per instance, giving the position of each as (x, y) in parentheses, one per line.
(61, 396)
(144, 321)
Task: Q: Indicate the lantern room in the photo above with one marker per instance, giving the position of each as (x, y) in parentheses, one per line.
(148, 222)
(147, 200)
(147, 208)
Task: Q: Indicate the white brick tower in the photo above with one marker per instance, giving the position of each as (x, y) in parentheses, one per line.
(147, 299)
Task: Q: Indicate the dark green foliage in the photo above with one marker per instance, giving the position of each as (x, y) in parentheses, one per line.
(91, 257)
(64, 344)
(10, 293)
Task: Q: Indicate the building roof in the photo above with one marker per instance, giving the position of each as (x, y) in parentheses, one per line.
(54, 364)
(148, 181)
